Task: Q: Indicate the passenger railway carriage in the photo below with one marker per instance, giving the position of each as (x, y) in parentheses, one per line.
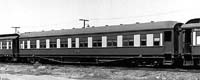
(153, 43)
(145, 43)
(9, 48)
(191, 42)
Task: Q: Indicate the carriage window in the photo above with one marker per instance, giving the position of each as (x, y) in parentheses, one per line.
(28, 44)
(119, 41)
(33, 44)
(25, 44)
(83, 42)
(137, 40)
(197, 37)
(112, 41)
(37, 44)
(198, 40)
(150, 40)
(156, 40)
(57, 43)
(97, 42)
(43, 43)
(73, 43)
(143, 40)
(1, 45)
(89, 42)
(77, 42)
(167, 35)
(4, 45)
(21, 44)
(9, 44)
(53, 43)
(63, 43)
(104, 41)
(128, 40)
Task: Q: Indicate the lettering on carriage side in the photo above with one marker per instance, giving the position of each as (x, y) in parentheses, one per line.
(69, 42)
(104, 41)
(137, 40)
(28, 44)
(38, 44)
(77, 42)
(119, 41)
(89, 42)
(47, 43)
(58, 43)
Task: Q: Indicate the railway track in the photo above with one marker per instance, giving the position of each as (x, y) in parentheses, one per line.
(91, 72)
(148, 68)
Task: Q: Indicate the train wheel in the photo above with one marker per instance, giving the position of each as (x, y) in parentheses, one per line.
(14, 59)
(31, 60)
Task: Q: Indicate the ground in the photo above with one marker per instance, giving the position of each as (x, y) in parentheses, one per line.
(69, 72)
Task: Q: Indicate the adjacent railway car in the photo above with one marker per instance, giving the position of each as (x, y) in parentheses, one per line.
(191, 42)
(154, 43)
(9, 48)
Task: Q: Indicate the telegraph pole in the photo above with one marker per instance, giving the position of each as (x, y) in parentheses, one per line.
(84, 20)
(16, 29)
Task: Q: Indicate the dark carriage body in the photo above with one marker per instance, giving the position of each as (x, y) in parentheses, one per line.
(191, 41)
(9, 48)
(155, 41)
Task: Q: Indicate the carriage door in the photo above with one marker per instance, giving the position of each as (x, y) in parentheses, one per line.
(187, 50)
(15, 45)
(168, 47)
(187, 41)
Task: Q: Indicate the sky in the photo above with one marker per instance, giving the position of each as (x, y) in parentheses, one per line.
(45, 15)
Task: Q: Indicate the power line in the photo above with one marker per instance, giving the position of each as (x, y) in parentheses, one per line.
(147, 15)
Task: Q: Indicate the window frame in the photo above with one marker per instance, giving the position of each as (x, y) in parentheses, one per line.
(127, 39)
(42, 43)
(97, 41)
(63, 42)
(53, 43)
(168, 36)
(112, 39)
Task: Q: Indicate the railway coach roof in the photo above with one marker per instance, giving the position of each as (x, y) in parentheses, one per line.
(8, 36)
(193, 25)
(104, 29)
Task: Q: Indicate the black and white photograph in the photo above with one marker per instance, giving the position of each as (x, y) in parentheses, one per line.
(99, 40)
